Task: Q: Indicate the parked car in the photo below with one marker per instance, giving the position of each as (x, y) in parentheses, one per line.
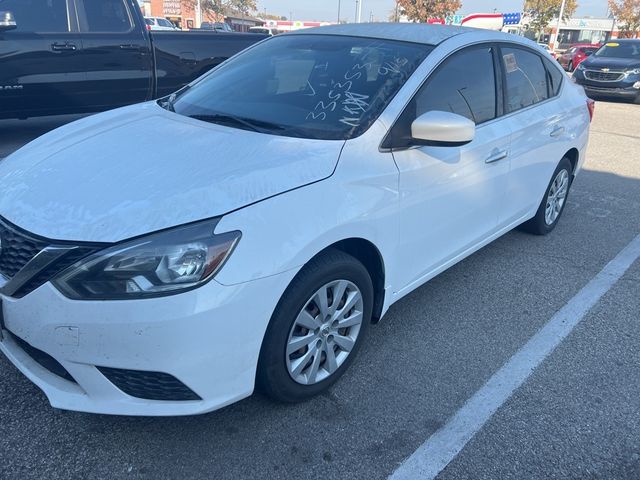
(166, 258)
(612, 71)
(100, 57)
(548, 49)
(264, 31)
(217, 26)
(159, 23)
(576, 54)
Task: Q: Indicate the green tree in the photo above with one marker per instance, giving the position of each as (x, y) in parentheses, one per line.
(423, 10)
(243, 6)
(627, 14)
(218, 7)
(542, 12)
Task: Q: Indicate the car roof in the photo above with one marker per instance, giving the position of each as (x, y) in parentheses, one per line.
(408, 32)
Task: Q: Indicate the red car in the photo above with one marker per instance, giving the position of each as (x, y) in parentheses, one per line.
(575, 54)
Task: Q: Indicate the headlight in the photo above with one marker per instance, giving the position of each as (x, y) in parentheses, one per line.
(634, 71)
(159, 264)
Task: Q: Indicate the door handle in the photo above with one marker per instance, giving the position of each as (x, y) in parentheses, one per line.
(130, 47)
(496, 155)
(63, 47)
(557, 130)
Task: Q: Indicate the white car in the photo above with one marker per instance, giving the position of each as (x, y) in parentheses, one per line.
(168, 257)
(264, 30)
(159, 24)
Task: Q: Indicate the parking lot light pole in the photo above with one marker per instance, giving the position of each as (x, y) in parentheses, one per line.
(555, 40)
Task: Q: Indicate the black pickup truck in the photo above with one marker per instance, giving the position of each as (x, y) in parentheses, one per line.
(76, 56)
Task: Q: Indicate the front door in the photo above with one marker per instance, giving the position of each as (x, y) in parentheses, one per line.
(40, 67)
(452, 196)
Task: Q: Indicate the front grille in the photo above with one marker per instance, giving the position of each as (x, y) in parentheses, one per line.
(43, 359)
(599, 76)
(149, 385)
(16, 249)
(54, 269)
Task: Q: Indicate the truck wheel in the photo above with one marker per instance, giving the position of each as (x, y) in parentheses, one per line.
(316, 329)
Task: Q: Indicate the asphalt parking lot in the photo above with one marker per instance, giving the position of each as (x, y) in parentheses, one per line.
(576, 416)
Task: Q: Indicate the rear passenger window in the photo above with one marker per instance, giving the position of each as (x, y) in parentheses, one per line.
(465, 84)
(109, 16)
(43, 16)
(555, 77)
(526, 78)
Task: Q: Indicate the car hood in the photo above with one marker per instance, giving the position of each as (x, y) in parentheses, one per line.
(140, 169)
(610, 62)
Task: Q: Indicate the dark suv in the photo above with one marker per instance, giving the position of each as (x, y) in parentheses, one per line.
(613, 71)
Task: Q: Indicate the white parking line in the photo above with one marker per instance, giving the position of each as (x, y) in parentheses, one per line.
(445, 444)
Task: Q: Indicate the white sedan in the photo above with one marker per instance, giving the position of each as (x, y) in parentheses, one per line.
(169, 257)
(160, 24)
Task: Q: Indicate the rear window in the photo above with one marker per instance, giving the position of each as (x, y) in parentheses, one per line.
(526, 78)
(105, 16)
(46, 16)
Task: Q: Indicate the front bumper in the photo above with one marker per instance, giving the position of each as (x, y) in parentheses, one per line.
(626, 89)
(208, 339)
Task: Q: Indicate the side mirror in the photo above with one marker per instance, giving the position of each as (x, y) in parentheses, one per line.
(7, 21)
(442, 129)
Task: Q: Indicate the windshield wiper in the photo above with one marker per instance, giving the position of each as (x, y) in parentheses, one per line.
(171, 99)
(248, 124)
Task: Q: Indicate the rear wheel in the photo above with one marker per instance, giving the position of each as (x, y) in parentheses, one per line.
(554, 201)
(316, 329)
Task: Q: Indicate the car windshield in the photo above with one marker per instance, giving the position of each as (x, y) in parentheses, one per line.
(620, 50)
(308, 86)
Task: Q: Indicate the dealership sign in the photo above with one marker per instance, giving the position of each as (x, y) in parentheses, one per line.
(172, 7)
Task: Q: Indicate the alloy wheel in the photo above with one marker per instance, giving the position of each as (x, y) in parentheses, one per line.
(324, 332)
(556, 197)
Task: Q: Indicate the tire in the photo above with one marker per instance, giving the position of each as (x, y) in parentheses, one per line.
(282, 371)
(570, 66)
(540, 224)
(637, 99)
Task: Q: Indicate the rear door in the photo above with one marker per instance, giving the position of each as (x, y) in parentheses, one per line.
(116, 53)
(536, 121)
(40, 67)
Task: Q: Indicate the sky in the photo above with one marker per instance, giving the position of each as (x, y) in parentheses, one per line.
(327, 10)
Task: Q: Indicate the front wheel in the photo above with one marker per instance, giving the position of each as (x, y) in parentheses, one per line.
(570, 67)
(554, 201)
(316, 329)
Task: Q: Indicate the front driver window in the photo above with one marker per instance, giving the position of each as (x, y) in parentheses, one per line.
(42, 16)
(464, 84)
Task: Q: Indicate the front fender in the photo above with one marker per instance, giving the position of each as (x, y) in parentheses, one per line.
(284, 232)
